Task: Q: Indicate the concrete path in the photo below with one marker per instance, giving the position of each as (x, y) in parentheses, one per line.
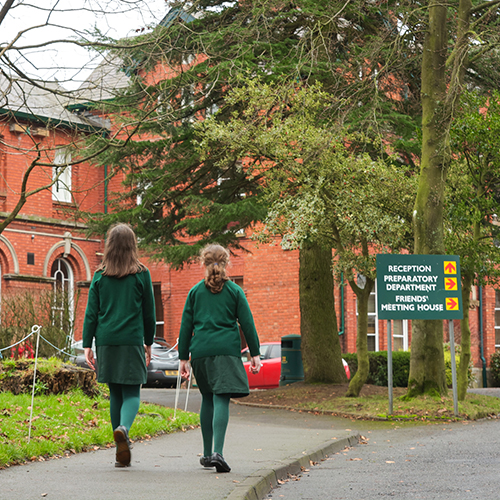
(438, 461)
(258, 443)
(458, 461)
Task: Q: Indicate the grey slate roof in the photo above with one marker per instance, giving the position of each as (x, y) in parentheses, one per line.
(40, 101)
(49, 102)
(112, 75)
(104, 82)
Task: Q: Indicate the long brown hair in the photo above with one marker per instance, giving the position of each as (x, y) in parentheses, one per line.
(120, 252)
(215, 258)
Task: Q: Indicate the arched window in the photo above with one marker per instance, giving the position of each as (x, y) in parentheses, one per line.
(62, 308)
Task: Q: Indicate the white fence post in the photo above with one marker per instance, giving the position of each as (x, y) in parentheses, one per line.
(35, 329)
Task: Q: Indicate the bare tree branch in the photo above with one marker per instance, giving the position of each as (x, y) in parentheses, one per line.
(6, 7)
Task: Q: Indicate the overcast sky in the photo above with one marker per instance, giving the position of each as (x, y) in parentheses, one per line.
(69, 19)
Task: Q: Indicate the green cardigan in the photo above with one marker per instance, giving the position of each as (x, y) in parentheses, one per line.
(120, 311)
(210, 323)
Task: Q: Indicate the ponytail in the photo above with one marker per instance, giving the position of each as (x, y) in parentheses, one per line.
(215, 259)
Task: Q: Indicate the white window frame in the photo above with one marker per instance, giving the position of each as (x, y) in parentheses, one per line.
(497, 327)
(187, 101)
(61, 189)
(371, 314)
(403, 335)
(67, 287)
(374, 315)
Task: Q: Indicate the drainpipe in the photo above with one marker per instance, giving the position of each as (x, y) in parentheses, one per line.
(481, 340)
(105, 189)
(341, 332)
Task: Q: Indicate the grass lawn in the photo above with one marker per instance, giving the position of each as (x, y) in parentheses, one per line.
(373, 403)
(68, 423)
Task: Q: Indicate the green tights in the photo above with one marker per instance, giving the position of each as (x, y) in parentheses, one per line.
(214, 417)
(124, 401)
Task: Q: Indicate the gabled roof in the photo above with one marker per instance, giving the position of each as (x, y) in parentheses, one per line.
(104, 82)
(42, 102)
(113, 74)
(176, 13)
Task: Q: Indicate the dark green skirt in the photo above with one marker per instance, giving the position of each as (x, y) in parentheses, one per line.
(221, 375)
(121, 364)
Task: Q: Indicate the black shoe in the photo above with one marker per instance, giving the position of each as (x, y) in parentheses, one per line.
(119, 465)
(120, 435)
(217, 461)
(206, 462)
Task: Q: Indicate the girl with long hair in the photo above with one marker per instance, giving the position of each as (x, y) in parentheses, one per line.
(120, 316)
(210, 330)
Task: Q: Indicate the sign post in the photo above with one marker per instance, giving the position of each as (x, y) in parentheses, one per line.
(419, 287)
(389, 365)
(453, 367)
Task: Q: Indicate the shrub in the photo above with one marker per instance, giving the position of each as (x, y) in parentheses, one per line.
(495, 367)
(50, 309)
(401, 367)
(378, 367)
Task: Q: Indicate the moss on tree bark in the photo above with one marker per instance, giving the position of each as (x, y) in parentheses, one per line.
(465, 353)
(427, 370)
(361, 376)
(321, 352)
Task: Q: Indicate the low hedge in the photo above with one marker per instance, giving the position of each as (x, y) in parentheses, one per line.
(378, 367)
(400, 367)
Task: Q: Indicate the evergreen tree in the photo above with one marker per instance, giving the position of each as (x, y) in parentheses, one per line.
(383, 62)
(182, 72)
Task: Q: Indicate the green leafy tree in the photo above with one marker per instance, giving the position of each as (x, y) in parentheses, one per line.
(460, 46)
(180, 74)
(472, 202)
(321, 195)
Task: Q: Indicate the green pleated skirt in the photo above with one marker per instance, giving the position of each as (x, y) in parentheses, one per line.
(121, 364)
(221, 375)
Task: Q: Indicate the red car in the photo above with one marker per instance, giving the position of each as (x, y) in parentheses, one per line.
(270, 373)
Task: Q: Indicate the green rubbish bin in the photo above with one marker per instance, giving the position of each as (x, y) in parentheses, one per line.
(291, 360)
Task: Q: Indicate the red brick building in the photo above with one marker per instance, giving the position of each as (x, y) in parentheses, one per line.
(47, 243)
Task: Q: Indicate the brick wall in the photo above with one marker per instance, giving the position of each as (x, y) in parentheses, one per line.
(268, 275)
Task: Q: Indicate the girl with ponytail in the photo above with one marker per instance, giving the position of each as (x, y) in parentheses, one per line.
(215, 310)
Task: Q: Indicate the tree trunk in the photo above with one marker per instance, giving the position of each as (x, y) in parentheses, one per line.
(359, 379)
(465, 354)
(427, 370)
(321, 352)
(467, 282)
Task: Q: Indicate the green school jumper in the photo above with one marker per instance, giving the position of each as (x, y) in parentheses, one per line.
(210, 332)
(120, 315)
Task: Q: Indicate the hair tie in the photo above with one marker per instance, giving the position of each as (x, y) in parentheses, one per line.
(216, 264)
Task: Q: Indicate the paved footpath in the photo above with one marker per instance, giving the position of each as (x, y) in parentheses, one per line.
(459, 461)
(428, 462)
(260, 444)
